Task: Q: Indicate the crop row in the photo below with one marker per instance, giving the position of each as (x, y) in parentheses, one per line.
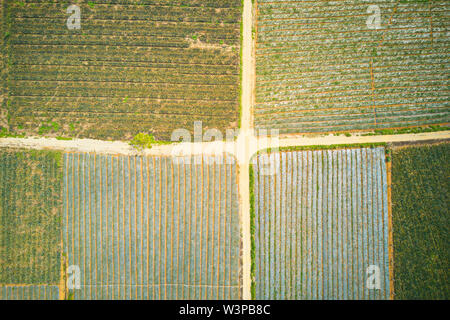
(145, 3)
(320, 221)
(157, 13)
(344, 57)
(140, 57)
(293, 5)
(125, 125)
(130, 89)
(317, 74)
(152, 228)
(117, 105)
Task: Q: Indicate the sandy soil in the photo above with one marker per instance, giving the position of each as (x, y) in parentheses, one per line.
(243, 146)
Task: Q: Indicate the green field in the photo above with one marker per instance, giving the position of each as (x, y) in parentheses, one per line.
(320, 68)
(134, 66)
(30, 217)
(421, 221)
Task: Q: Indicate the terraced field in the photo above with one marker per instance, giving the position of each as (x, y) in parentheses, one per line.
(150, 228)
(134, 66)
(319, 223)
(321, 68)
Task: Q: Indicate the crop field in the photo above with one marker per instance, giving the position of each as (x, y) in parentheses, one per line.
(325, 66)
(319, 222)
(30, 218)
(153, 228)
(37, 292)
(133, 66)
(420, 202)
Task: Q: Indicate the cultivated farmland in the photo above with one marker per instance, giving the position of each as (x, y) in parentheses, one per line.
(29, 292)
(152, 228)
(30, 217)
(322, 68)
(133, 66)
(319, 222)
(420, 213)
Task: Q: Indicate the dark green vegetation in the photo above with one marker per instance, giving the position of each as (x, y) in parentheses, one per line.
(143, 141)
(320, 68)
(423, 129)
(30, 217)
(420, 202)
(134, 66)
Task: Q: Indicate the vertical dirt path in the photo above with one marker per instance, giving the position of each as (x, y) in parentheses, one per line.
(243, 144)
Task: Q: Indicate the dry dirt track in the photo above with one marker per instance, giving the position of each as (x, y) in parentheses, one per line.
(243, 144)
(243, 148)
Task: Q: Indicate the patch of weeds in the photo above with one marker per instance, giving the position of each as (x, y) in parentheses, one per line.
(145, 141)
(4, 133)
(48, 127)
(55, 126)
(432, 128)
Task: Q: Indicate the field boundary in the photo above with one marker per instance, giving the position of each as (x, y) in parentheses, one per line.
(390, 228)
(406, 144)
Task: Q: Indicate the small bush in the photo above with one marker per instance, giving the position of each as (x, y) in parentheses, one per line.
(143, 141)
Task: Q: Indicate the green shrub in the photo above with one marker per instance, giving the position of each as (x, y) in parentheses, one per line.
(143, 141)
